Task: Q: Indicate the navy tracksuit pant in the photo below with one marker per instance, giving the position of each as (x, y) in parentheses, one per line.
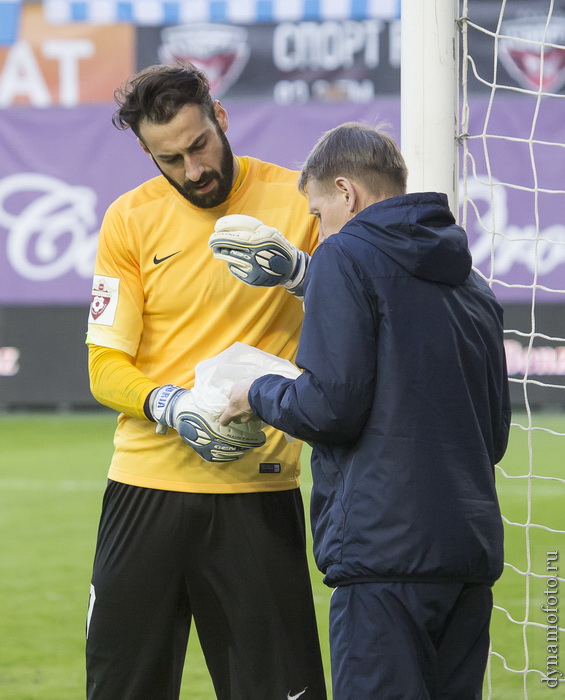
(409, 641)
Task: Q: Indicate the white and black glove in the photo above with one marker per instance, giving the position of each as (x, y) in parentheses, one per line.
(259, 255)
(173, 407)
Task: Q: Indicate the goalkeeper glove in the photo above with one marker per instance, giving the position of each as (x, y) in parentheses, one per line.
(259, 255)
(173, 407)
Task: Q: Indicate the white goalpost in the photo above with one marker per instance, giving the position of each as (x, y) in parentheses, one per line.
(429, 96)
(483, 119)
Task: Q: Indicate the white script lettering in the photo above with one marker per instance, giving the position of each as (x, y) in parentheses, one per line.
(507, 244)
(52, 234)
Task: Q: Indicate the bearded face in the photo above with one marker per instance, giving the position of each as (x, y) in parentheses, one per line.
(213, 186)
(193, 154)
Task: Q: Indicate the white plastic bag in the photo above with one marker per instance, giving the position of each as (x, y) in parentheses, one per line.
(215, 377)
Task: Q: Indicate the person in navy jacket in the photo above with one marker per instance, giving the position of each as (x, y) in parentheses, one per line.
(404, 399)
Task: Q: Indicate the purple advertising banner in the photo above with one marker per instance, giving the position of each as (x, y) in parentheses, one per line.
(516, 196)
(61, 169)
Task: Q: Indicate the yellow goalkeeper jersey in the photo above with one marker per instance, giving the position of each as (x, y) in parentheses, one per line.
(160, 297)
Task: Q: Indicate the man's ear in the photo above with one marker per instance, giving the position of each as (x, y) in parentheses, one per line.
(140, 142)
(221, 115)
(348, 191)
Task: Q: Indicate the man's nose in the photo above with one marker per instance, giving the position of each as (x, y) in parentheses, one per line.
(192, 169)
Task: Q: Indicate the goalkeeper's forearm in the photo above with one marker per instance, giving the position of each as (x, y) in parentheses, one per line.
(115, 381)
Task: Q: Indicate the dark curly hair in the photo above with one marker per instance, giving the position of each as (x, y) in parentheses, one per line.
(158, 92)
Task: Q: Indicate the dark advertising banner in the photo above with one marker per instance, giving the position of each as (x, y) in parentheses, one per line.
(289, 62)
(535, 355)
(294, 57)
(515, 59)
(358, 60)
(43, 357)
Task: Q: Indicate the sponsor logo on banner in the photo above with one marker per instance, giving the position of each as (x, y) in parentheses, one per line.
(521, 52)
(328, 61)
(9, 361)
(64, 65)
(105, 292)
(50, 226)
(286, 62)
(221, 51)
(542, 360)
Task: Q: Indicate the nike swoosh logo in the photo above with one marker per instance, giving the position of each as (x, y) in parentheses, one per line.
(157, 260)
(293, 697)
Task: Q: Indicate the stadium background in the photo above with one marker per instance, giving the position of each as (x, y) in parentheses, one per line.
(283, 84)
(283, 81)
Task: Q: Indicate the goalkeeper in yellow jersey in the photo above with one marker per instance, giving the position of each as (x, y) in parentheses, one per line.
(199, 522)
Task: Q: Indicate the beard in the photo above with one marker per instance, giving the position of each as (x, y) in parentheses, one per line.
(224, 178)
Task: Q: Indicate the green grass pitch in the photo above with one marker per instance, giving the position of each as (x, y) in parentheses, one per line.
(51, 483)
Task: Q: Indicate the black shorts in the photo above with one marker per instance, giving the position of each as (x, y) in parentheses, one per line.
(235, 563)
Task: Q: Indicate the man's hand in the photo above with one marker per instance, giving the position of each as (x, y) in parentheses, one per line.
(257, 254)
(173, 407)
(238, 410)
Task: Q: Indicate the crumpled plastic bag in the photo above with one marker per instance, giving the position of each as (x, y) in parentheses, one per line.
(215, 377)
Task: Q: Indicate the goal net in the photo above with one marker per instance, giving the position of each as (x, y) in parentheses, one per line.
(512, 203)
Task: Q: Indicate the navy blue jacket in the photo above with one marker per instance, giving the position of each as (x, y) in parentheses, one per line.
(404, 397)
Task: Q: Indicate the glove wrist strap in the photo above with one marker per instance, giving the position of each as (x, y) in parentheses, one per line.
(163, 401)
(295, 285)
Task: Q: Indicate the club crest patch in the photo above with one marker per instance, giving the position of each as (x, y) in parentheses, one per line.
(105, 293)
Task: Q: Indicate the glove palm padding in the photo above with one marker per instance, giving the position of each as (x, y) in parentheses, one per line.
(257, 254)
(174, 407)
